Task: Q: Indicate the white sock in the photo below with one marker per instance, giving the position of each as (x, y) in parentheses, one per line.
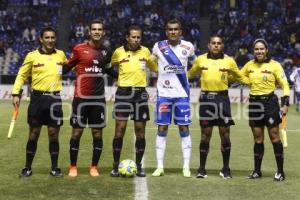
(186, 146)
(160, 150)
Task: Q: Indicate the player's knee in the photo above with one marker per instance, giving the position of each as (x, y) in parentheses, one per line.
(184, 133)
(225, 139)
(97, 133)
(183, 128)
(163, 129)
(274, 138)
(162, 133)
(205, 138)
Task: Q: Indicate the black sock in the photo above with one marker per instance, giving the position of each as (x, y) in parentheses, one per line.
(204, 149)
(97, 150)
(117, 147)
(259, 150)
(30, 152)
(54, 151)
(74, 148)
(140, 145)
(225, 149)
(278, 151)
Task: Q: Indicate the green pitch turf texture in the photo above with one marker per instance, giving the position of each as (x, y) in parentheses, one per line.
(171, 186)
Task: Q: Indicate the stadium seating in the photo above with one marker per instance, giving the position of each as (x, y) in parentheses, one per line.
(239, 21)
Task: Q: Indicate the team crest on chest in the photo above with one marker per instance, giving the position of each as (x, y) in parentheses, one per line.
(223, 77)
(265, 78)
(184, 52)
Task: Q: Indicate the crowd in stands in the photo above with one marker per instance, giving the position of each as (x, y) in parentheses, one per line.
(239, 21)
(149, 14)
(20, 21)
(277, 21)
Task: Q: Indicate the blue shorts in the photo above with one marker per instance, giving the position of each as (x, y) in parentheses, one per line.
(165, 106)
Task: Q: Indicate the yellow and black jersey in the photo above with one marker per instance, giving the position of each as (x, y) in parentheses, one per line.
(132, 66)
(215, 72)
(264, 77)
(45, 70)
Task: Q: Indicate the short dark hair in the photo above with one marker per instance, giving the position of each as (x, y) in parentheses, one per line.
(173, 21)
(97, 21)
(216, 35)
(133, 28)
(47, 29)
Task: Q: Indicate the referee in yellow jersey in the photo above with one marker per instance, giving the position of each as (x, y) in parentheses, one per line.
(44, 65)
(214, 68)
(131, 97)
(264, 74)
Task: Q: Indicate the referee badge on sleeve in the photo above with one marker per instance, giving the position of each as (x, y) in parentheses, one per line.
(265, 78)
(143, 65)
(223, 77)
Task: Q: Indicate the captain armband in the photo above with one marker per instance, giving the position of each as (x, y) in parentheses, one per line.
(285, 101)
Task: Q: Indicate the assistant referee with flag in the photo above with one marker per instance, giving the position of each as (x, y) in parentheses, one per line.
(44, 65)
(264, 74)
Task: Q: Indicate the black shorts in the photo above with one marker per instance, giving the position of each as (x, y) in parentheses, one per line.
(45, 108)
(88, 112)
(133, 102)
(264, 110)
(215, 109)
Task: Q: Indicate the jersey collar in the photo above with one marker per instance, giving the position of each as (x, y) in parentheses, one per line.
(127, 49)
(220, 56)
(41, 51)
(265, 61)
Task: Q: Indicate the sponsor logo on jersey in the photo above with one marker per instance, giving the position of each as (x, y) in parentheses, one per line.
(39, 65)
(185, 46)
(203, 68)
(184, 110)
(266, 72)
(167, 85)
(104, 52)
(163, 108)
(174, 69)
(93, 69)
(271, 120)
(223, 70)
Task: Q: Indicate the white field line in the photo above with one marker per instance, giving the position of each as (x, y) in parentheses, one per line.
(141, 188)
(140, 183)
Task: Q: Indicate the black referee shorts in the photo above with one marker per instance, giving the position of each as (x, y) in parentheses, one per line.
(45, 108)
(133, 102)
(264, 110)
(215, 109)
(88, 112)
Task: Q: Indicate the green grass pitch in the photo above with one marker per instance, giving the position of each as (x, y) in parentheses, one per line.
(171, 186)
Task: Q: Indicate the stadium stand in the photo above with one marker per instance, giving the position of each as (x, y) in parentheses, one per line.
(239, 21)
(20, 20)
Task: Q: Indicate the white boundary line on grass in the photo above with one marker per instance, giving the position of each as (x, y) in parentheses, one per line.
(141, 187)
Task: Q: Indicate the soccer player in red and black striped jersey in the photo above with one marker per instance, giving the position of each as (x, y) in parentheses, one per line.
(91, 61)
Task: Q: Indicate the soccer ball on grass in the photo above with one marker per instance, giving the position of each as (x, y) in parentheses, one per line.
(127, 168)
